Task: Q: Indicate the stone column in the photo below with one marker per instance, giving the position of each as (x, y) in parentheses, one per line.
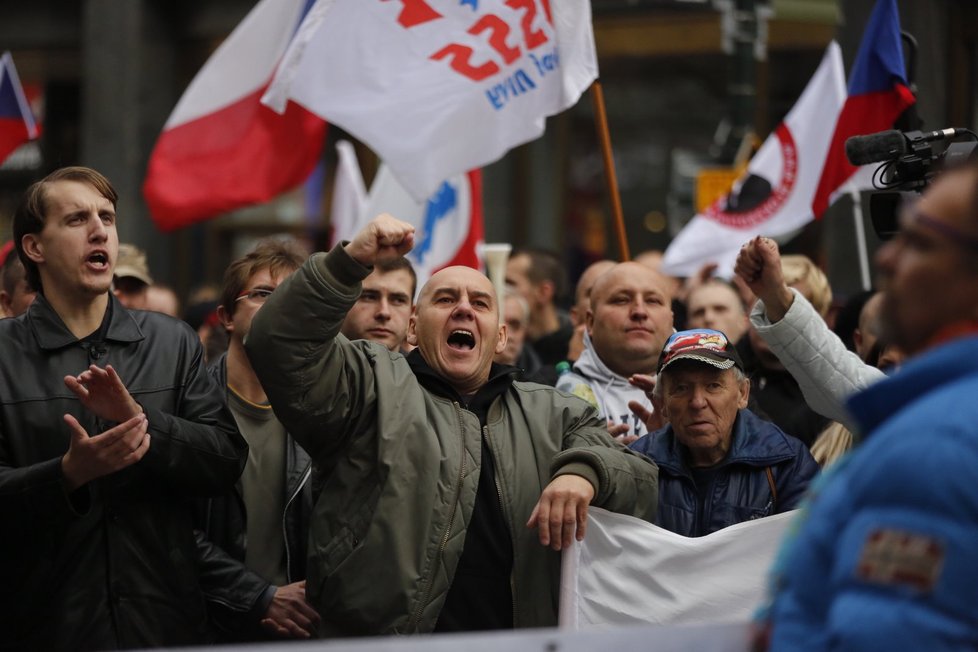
(127, 52)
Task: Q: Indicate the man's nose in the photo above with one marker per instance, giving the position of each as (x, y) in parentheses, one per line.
(463, 309)
(885, 255)
(98, 231)
(383, 309)
(698, 399)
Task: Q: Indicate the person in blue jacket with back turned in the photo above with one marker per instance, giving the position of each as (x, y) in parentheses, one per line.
(886, 555)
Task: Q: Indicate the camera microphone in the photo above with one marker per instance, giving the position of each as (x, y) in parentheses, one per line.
(888, 145)
(908, 163)
(882, 146)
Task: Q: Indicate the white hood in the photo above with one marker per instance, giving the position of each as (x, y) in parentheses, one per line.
(592, 380)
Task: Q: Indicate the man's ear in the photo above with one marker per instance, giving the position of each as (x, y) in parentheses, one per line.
(744, 393)
(661, 406)
(576, 318)
(501, 342)
(227, 320)
(412, 333)
(544, 291)
(32, 248)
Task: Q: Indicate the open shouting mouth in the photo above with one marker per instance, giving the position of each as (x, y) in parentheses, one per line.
(461, 340)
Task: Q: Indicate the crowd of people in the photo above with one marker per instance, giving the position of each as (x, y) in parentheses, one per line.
(324, 449)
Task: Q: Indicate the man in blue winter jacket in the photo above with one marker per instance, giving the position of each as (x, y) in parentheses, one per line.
(719, 463)
(885, 556)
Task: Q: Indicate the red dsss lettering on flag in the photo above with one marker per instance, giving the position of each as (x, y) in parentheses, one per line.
(471, 78)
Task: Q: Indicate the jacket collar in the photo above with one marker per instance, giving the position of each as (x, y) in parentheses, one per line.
(500, 378)
(752, 445)
(51, 333)
(917, 377)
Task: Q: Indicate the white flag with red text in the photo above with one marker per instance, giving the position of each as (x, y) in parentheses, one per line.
(438, 87)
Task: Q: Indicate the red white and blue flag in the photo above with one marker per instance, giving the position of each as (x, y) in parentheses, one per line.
(878, 94)
(438, 87)
(221, 149)
(799, 169)
(17, 125)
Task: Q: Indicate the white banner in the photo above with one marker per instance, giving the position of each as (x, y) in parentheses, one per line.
(628, 571)
(708, 638)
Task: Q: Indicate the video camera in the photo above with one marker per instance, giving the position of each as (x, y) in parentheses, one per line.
(910, 159)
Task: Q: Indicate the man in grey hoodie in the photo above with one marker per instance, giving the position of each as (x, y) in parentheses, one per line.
(629, 319)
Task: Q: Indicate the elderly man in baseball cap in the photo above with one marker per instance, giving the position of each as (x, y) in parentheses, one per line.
(719, 463)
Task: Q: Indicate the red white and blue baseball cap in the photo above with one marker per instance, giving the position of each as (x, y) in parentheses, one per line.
(700, 345)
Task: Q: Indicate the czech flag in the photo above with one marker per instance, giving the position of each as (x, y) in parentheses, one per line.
(877, 95)
(221, 149)
(17, 124)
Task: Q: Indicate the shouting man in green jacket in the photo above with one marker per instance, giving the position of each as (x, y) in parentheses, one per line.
(446, 488)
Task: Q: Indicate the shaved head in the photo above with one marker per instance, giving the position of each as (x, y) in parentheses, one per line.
(630, 318)
(456, 327)
(450, 276)
(620, 271)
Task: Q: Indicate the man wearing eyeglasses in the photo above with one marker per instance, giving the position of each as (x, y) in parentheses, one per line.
(719, 463)
(109, 428)
(885, 557)
(253, 538)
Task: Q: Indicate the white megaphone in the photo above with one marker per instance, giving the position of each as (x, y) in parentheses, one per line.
(496, 254)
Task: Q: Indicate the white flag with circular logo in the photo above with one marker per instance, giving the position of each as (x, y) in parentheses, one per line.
(774, 196)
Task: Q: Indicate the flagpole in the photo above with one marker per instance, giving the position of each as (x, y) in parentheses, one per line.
(601, 122)
(857, 218)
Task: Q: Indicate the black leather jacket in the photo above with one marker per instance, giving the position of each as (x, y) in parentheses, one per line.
(113, 564)
(237, 598)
